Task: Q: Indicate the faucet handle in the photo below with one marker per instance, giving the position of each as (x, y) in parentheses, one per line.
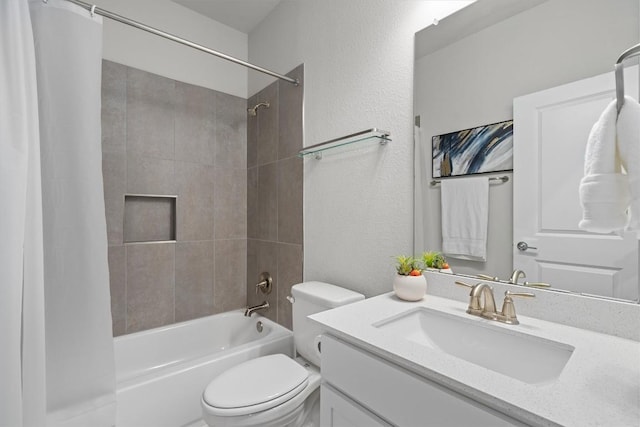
(461, 283)
(519, 294)
(265, 284)
(487, 277)
(536, 284)
(508, 314)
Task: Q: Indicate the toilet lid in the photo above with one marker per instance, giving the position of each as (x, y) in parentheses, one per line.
(256, 385)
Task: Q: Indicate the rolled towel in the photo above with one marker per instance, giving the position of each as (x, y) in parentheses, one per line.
(634, 204)
(604, 190)
(601, 156)
(604, 199)
(628, 132)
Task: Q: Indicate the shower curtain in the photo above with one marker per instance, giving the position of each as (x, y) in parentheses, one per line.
(57, 361)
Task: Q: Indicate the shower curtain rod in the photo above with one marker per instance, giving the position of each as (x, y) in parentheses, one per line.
(94, 9)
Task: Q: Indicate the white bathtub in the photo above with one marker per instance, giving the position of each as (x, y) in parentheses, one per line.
(161, 373)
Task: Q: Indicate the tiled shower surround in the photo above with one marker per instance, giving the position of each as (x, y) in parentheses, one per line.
(164, 137)
(274, 194)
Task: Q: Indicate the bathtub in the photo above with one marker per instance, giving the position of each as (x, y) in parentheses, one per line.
(161, 373)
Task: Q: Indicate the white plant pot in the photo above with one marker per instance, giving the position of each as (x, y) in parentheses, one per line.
(410, 288)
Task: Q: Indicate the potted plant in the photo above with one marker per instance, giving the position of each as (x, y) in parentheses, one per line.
(409, 283)
(433, 260)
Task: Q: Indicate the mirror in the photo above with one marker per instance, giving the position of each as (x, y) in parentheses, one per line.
(471, 66)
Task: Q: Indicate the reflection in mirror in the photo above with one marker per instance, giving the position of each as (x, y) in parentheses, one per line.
(470, 70)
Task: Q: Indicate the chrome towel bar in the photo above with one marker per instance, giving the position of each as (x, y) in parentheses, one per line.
(618, 69)
(503, 178)
(382, 136)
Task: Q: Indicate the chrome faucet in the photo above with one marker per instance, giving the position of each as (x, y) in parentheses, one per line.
(249, 310)
(516, 275)
(481, 302)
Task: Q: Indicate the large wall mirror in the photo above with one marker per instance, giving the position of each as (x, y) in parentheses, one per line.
(547, 65)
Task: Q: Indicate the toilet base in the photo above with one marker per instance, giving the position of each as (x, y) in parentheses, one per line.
(311, 416)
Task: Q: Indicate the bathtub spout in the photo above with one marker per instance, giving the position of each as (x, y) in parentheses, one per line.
(249, 310)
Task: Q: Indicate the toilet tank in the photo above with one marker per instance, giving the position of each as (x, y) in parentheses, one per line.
(310, 298)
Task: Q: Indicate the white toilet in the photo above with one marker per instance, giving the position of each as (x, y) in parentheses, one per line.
(276, 390)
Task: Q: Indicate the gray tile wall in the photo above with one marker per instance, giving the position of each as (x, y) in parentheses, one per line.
(274, 194)
(161, 136)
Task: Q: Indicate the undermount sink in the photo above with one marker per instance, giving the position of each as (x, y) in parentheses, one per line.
(518, 355)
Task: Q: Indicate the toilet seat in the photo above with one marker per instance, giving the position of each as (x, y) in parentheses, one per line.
(275, 379)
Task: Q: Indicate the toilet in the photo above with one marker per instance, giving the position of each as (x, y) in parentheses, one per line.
(276, 390)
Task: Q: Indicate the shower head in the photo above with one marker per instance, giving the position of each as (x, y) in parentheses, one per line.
(253, 111)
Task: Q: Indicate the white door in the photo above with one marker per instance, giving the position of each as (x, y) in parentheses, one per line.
(551, 128)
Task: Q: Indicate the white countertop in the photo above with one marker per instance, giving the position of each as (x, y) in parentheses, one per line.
(599, 386)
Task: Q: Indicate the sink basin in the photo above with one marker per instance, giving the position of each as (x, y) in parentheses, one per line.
(524, 357)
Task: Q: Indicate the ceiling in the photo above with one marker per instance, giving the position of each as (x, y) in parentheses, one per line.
(243, 15)
(467, 21)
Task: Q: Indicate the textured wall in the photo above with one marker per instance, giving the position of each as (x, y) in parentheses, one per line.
(161, 136)
(274, 194)
(358, 56)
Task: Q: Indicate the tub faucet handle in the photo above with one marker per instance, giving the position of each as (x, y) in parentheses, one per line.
(265, 284)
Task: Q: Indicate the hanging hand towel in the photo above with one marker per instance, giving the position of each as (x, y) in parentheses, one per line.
(604, 190)
(628, 130)
(465, 215)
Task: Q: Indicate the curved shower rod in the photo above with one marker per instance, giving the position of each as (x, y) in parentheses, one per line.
(93, 9)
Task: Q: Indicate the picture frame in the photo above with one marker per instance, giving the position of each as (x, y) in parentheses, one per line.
(478, 150)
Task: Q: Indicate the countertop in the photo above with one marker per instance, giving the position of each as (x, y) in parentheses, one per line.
(599, 386)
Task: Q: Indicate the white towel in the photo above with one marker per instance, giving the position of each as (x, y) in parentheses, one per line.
(628, 129)
(465, 217)
(604, 189)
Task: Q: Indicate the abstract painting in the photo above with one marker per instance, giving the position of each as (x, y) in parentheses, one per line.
(482, 149)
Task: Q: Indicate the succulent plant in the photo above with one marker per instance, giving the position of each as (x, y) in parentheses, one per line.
(406, 264)
(433, 259)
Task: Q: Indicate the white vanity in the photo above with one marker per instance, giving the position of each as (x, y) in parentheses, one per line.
(391, 362)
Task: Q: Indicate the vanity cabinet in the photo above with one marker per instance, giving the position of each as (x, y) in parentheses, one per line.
(360, 388)
(337, 410)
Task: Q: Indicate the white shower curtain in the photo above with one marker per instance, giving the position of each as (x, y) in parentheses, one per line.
(56, 362)
(22, 354)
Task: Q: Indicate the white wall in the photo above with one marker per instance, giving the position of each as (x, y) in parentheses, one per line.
(358, 55)
(473, 82)
(148, 52)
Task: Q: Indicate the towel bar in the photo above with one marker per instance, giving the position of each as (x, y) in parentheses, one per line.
(503, 178)
(618, 71)
(382, 136)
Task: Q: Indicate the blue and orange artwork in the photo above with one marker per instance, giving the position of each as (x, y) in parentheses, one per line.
(482, 149)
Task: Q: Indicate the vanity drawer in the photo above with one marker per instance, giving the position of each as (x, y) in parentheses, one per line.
(397, 395)
(337, 410)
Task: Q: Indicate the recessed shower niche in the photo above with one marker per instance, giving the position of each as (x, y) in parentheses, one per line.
(149, 218)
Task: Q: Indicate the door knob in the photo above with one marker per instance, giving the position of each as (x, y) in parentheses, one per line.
(523, 246)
